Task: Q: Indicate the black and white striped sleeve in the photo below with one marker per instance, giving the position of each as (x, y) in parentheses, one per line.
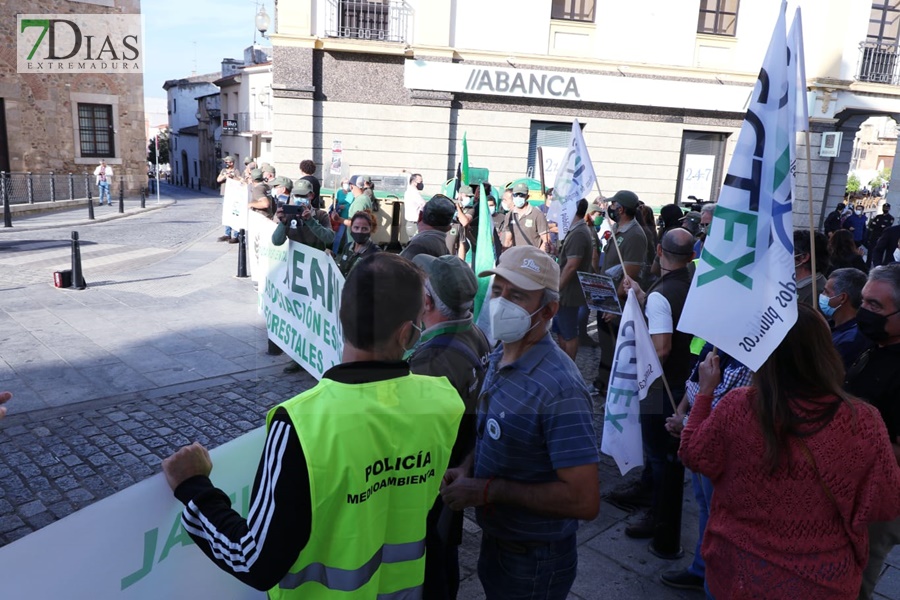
(260, 549)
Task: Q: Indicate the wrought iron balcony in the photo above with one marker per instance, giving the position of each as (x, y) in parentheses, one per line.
(382, 20)
(878, 63)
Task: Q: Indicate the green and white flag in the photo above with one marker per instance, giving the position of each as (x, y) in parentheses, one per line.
(635, 366)
(743, 298)
(574, 179)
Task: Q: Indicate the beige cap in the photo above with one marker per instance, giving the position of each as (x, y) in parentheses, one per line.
(528, 268)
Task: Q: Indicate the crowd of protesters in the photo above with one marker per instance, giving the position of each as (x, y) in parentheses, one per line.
(794, 467)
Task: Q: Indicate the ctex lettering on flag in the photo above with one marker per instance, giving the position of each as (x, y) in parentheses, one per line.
(743, 298)
(574, 179)
(635, 366)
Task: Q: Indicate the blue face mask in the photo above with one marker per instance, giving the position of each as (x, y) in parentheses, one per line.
(826, 308)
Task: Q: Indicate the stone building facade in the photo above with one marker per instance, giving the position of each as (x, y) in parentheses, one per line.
(39, 114)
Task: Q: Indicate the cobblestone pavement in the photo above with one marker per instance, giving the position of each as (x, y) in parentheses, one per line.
(55, 461)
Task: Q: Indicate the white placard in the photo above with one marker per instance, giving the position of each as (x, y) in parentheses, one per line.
(697, 177)
(234, 204)
(301, 302)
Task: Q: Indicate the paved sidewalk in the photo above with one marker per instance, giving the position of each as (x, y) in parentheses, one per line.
(111, 379)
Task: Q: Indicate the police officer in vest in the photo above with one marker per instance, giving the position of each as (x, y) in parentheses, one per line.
(350, 467)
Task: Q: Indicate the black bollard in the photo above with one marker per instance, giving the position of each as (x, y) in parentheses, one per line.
(4, 191)
(90, 205)
(666, 541)
(121, 195)
(242, 254)
(143, 199)
(77, 278)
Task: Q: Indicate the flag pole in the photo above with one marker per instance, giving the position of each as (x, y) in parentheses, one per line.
(812, 229)
(624, 274)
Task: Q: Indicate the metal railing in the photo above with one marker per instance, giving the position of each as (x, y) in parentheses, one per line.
(34, 188)
(254, 122)
(878, 63)
(383, 20)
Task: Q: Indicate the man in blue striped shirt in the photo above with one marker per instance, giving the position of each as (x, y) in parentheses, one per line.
(534, 470)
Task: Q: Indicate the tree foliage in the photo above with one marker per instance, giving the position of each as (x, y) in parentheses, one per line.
(853, 183)
(163, 149)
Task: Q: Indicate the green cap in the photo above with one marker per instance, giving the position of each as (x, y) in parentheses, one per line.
(452, 280)
(520, 188)
(302, 187)
(284, 182)
(256, 175)
(625, 198)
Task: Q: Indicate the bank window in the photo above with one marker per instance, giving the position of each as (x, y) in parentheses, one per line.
(702, 156)
(95, 130)
(545, 134)
(573, 10)
(718, 17)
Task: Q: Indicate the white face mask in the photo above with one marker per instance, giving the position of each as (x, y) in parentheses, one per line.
(897, 255)
(859, 211)
(509, 321)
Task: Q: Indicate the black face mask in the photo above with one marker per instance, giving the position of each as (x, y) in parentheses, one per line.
(360, 237)
(872, 324)
(420, 186)
(612, 213)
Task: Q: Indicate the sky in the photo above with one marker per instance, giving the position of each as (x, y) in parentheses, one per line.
(182, 37)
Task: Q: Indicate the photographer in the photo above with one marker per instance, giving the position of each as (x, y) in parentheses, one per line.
(300, 221)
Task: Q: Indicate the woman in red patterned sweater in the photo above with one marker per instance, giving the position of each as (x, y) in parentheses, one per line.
(798, 468)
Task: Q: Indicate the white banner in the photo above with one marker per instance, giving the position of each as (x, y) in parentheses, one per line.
(259, 244)
(234, 204)
(131, 545)
(574, 179)
(743, 298)
(301, 303)
(635, 366)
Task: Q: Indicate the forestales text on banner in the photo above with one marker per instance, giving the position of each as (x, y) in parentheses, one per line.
(301, 303)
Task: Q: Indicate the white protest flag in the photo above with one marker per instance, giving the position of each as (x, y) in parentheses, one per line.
(797, 64)
(574, 179)
(743, 298)
(635, 366)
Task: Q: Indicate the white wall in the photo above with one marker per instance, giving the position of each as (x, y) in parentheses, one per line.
(519, 26)
(653, 31)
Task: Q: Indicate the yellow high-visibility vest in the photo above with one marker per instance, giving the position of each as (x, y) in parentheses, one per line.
(376, 454)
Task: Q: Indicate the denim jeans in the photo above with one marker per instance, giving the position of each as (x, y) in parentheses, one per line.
(510, 571)
(231, 232)
(703, 490)
(104, 192)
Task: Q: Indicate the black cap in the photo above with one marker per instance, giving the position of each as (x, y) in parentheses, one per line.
(439, 211)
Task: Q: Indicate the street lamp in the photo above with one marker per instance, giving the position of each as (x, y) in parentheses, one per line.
(262, 21)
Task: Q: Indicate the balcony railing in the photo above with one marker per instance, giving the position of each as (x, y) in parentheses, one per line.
(386, 21)
(247, 123)
(878, 63)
